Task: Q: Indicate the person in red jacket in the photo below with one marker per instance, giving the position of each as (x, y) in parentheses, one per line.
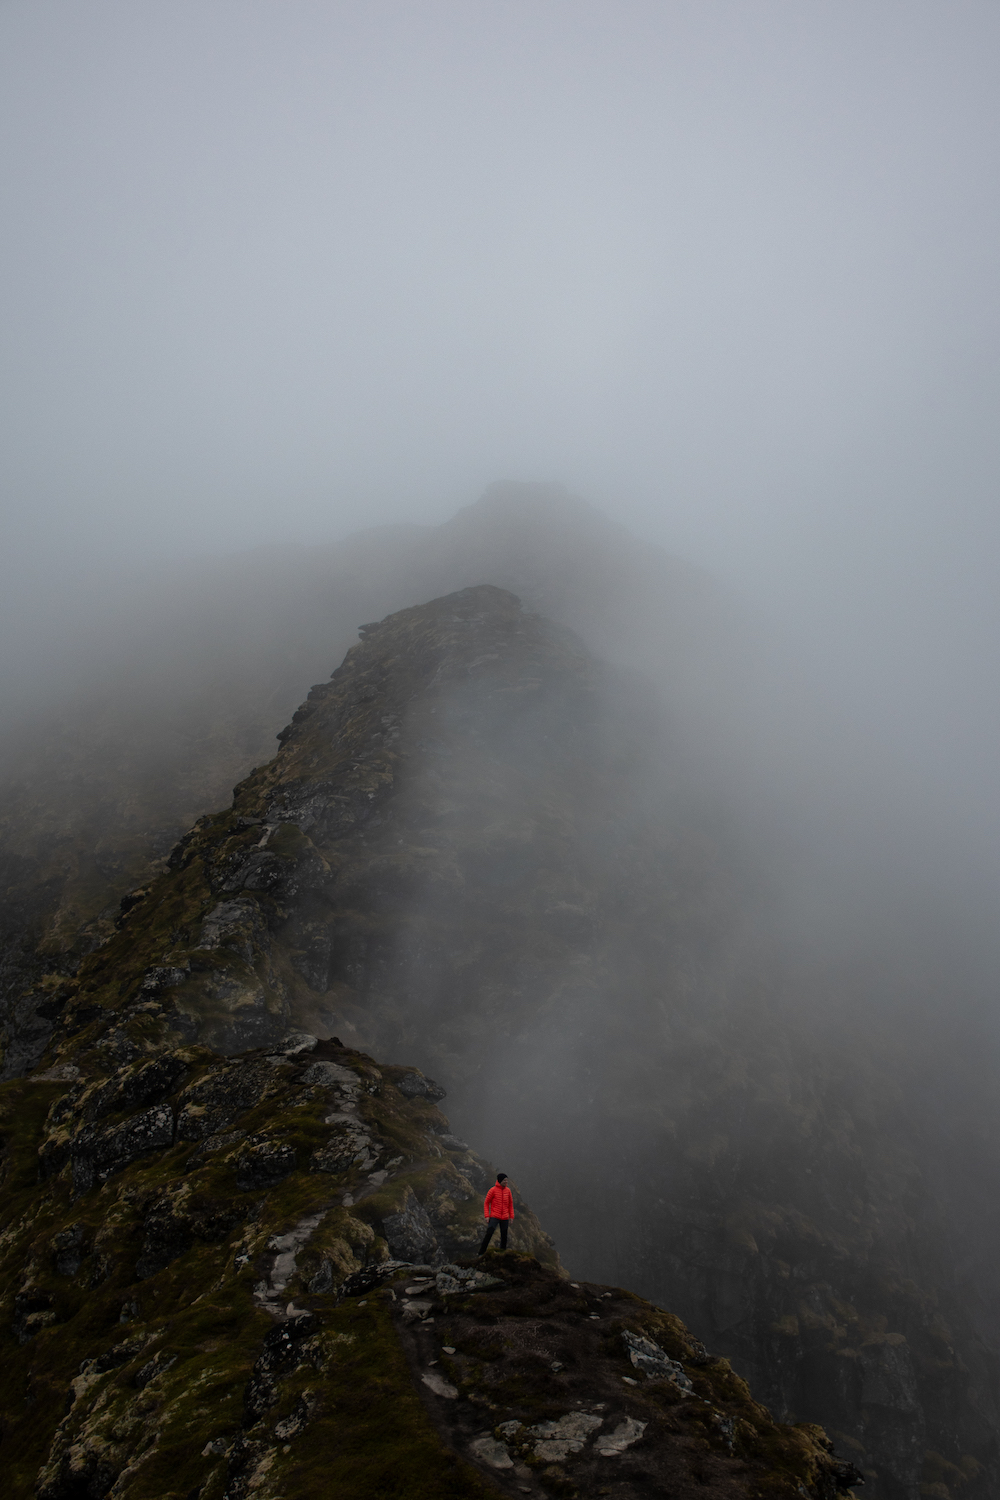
(498, 1208)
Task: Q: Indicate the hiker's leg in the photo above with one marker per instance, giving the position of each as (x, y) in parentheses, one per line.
(488, 1236)
(503, 1233)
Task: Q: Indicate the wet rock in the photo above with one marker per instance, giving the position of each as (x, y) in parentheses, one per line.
(298, 1043)
(264, 1163)
(213, 1103)
(221, 1142)
(419, 1307)
(174, 1223)
(437, 1383)
(326, 1074)
(298, 1420)
(282, 1352)
(351, 1146)
(285, 1249)
(158, 1365)
(156, 980)
(452, 1143)
(81, 1471)
(409, 1233)
(145, 1085)
(323, 1280)
(487, 1450)
(238, 926)
(246, 1458)
(98, 1153)
(650, 1358)
(555, 1440)
(627, 1432)
(167, 1235)
(892, 1412)
(452, 1279)
(414, 1085)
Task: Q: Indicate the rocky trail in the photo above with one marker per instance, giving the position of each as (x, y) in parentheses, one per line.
(556, 1387)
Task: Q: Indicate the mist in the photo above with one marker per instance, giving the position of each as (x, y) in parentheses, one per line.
(276, 276)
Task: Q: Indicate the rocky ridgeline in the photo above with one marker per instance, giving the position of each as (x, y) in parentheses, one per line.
(164, 1208)
(462, 854)
(251, 1276)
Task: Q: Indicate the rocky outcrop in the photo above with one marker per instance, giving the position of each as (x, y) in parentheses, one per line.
(171, 1262)
(250, 1276)
(534, 1379)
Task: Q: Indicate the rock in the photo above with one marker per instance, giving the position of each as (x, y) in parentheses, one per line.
(417, 1308)
(452, 1279)
(298, 1419)
(212, 1104)
(409, 1233)
(297, 1043)
(623, 1436)
(285, 1249)
(97, 1154)
(156, 1366)
(439, 1385)
(118, 1355)
(264, 1163)
(323, 1280)
(168, 1235)
(325, 1074)
(650, 1358)
(415, 1085)
(236, 925)
(134, 1087)
(32, 1312)
(487, 1450)
(554, 1440)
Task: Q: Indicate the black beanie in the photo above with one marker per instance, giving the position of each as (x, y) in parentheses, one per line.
(501, 1177)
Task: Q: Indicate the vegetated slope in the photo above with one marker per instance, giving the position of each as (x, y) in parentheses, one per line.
(180, 690)
(203, 1298)
(475, 849)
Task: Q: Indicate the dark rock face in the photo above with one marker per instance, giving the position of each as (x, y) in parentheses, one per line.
(409, 1233)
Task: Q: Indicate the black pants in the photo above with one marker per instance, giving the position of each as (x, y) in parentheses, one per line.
(489, 1234)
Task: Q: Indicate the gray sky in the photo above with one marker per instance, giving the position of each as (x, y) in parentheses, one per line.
(277, 271)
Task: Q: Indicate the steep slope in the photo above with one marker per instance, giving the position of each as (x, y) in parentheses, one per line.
(477, 848)
(213, 1285)
(180, 690)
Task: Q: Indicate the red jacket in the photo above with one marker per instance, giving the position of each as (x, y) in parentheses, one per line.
(499, 1203)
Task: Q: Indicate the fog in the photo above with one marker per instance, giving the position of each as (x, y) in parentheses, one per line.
(276, 274)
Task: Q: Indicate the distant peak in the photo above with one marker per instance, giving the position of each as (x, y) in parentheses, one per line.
(521, 499)
(476, 603)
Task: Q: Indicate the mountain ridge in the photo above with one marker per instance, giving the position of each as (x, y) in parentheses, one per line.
(473, 846)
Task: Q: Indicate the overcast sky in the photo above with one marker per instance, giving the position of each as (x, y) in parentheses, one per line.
(279, 271)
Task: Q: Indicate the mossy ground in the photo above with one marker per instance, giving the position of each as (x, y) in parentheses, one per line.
(114, 1377)
(537, 1347)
